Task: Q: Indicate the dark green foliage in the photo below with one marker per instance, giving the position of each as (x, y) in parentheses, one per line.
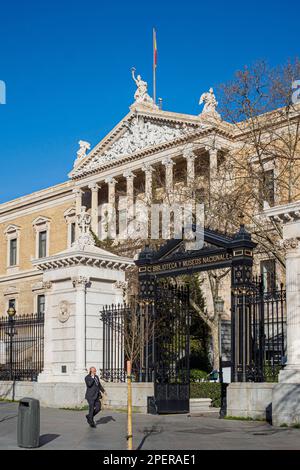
(196, 375)
(207, 390)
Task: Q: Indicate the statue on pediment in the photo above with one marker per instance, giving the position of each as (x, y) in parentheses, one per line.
(81, 152)
(83, 147)
(210, 103)
(141, 94)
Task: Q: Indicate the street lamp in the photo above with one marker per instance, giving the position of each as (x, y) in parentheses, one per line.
(11, 333)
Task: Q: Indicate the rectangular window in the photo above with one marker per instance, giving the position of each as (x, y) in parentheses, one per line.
(40, 304)
(42, 244)
(73, 228)
(13, 252)
(268, 274)
(267, 188)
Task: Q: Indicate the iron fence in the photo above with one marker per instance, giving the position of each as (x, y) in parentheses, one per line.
(21, 347)
(259, 333)
(128, 332)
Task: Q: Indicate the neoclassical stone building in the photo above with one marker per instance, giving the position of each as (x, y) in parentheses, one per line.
(149, 155)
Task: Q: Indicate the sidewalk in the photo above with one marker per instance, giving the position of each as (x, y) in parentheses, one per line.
(64, 429)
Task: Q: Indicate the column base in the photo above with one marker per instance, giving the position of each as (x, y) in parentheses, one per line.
(290, 374)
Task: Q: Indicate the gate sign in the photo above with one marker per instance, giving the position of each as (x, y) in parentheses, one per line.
(219, 251)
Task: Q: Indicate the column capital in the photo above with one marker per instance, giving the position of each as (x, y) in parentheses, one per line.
(291, 243)
(168, 161)
(147, 168)
(110, 180)
(188, 151)
(129, 174)
(212, 148)
(94, 186)
(46, 285)
(80, 281)
(78, 191)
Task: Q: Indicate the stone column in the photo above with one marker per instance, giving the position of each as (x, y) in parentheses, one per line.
(111, 190)
(213, 162)
(78, 204)
(130, 194)
(80, 284)
(94, 187)
(148, 169)
(189, 155)
(168, 163)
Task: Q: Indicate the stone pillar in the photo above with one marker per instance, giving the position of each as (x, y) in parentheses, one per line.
(286, 394)
(213, 163)
(291, 372)
(168, 163)
(148, 169)
(111, 190)
(189, 155)
(78, 204)
(94, 187)
(80, 283)
(130, 194)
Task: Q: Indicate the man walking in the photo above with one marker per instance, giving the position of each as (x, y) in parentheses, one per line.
(93, 395)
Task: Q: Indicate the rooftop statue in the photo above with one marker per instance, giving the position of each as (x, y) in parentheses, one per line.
(81, 152)
(141, 94)
(210, 103)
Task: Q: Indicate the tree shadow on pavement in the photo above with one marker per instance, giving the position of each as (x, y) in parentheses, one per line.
(46, 438)
(148, 432)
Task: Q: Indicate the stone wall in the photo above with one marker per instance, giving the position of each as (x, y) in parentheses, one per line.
(67, 395)
(250, 400)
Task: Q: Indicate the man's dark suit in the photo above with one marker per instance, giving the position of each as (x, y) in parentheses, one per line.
(93, 395)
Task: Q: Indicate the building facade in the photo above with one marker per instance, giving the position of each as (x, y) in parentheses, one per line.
(151, 155)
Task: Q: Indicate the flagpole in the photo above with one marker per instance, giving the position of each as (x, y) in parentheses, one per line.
(154, 68)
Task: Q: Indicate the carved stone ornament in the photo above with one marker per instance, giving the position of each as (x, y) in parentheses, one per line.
(85, 238)
(290, 243)
(63, 311)
(140, 134)
(80, 281)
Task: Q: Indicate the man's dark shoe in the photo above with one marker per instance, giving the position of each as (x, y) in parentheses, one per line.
(87, 418)
(92, 424)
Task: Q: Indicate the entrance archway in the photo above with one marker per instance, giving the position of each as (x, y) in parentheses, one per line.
(171, 384)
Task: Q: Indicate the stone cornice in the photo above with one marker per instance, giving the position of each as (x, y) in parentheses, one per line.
(41, 197)
(80, 258)
(284, 213)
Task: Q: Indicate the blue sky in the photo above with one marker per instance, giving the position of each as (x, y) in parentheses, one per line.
(66, 65)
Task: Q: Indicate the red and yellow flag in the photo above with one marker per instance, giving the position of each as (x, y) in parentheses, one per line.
(154, 49)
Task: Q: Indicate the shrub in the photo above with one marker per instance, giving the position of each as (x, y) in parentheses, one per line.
(207, 390)
(197, 375)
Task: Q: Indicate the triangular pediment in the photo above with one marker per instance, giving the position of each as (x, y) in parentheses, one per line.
(137, 132)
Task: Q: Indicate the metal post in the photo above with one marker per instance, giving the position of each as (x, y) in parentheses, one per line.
(11, 334)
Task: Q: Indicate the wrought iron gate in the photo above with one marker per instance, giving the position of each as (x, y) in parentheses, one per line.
(158, 333)
(172, 349)
(21, 347)
(258, 333)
